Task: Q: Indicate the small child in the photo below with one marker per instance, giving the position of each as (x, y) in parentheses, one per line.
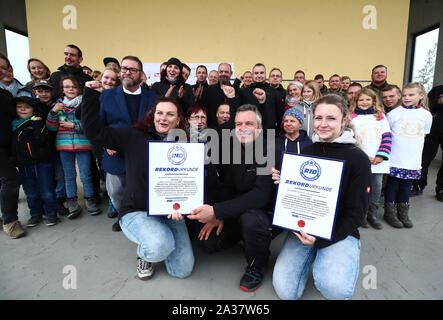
(34, 156)
(409, 124)
(72, 145)
(43, 90)
(372, 128)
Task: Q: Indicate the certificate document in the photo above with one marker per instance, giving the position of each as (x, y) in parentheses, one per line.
(308, 194)
(175, 177)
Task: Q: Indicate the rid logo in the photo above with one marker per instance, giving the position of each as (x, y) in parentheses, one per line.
(310, 170)
(177, 155)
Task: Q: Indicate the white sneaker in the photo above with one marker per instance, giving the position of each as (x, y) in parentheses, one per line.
(145, 269)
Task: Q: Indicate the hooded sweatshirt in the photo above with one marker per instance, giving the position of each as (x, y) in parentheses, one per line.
(355, 187)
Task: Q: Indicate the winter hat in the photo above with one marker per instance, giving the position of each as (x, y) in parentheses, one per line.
(298, 84)
(176, 62)
(294, 112)
(34, 103)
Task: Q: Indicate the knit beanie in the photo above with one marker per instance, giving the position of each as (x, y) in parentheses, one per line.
(294, 112)
(176, 62)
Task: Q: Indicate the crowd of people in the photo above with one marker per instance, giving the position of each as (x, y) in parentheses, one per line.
(99, 122)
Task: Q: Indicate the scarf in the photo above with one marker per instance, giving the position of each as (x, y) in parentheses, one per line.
(70, 105)
(19, 122)
(14, 87)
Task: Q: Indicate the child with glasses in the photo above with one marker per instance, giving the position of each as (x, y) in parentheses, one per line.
(72, 145)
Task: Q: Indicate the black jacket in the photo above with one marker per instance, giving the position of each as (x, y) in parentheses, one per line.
(66, 71)
(161, 87)
(354, 196)
(32, 143)
(130, 141)
(274, 105)
(7, 114)
(436, 110)
(212, 97)
(245, 188)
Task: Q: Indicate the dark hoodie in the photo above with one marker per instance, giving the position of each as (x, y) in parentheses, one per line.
(282, 143)
(64, 71)
(355, 188)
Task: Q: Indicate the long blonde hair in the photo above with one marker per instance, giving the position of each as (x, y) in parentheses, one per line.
(378, 109)
(421, 90)
(313, 85)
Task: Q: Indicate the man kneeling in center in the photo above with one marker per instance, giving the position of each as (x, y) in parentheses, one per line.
(247, 215)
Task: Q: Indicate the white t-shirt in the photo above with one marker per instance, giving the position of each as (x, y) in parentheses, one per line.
(409, 127)
(370, 131)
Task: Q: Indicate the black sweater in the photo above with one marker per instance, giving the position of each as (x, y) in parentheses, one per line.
(186, 101)
(7, 114)
(245, 188)
(131, 142)
(354, 195)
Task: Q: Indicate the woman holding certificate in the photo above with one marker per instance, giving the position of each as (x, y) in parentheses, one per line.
(159, 238)
(336, 262)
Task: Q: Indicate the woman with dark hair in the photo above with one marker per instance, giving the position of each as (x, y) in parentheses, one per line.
(197, 122)
(172, 84)
(159, 238)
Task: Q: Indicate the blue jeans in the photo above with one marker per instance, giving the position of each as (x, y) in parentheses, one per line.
(376, 186)
(160, 239)
(60, 188)
(84, 166)
(335, 271)
(38, 185)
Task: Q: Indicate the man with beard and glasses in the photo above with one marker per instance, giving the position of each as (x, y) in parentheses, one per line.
(123, 106)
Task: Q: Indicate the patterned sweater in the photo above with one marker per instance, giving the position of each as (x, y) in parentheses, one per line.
(68, 139)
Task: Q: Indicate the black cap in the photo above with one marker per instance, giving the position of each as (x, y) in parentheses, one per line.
(34, 103)
(110, 59)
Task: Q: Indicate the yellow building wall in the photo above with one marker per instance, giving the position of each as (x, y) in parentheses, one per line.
(317, 36)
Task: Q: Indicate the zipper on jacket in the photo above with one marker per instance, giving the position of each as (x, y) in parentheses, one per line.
(29, 148)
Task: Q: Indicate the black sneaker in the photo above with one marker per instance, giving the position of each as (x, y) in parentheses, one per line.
(252, 278)
(33, 221)
(51, 221)
(112, 212)
(416, 190)
(116, 227)
(62, 207)
(440, 195)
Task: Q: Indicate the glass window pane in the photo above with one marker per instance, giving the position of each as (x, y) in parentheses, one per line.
(425, 53)
(17, 47)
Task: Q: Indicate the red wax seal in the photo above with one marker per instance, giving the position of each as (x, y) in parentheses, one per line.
(301, 223)
(176, 206)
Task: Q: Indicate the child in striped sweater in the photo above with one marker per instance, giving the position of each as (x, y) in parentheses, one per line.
(372, 128)
(72, 145)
